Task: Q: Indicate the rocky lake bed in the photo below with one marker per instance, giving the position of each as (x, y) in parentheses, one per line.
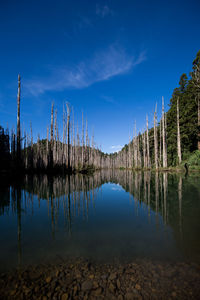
(81, 279)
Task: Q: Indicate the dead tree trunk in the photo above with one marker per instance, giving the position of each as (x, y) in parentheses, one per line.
(135, 148)
(129, 153)
(82, 142)
(155, 139)
(164, 140)
(144, 151)
(18, 121)
(178, 134)
(47, 148)
(148, 155)
(86, 144)
(161, 142)
(78, 147)
(68, 136)
(51, 141)
(74, 144)
(55, 140)
(32, 154)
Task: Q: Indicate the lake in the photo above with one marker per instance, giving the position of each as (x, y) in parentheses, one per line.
(106, 217)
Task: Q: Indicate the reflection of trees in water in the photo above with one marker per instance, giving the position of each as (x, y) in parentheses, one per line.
(74, 193)
(161, 194)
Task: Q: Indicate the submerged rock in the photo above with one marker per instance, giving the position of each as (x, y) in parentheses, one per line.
(86, 285)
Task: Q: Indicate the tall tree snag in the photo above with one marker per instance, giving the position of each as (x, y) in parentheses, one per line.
(178, 134)
(68, 135)
(18, 120)
(155, 139)
(164, 136)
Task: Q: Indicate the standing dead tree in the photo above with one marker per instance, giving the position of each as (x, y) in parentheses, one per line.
(155, 139)
(178, 134)
(68, 136)
(148, 154)
(51, 138)
(18, 121)
(164, 136)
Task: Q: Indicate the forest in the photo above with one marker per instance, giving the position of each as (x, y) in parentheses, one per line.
(173, 140)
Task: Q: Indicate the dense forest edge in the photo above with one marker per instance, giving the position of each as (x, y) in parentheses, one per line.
(172, 143)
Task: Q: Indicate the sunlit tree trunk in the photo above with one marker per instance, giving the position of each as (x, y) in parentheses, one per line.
(164, 136)
(92, 150)
(161, 142)
(155, 139)
(178, 134)
(129, 152)
(135, 148)
(139, 159)
(74, 144)
(148, 155)
(47, 147)
(78, 148)
(82, 141)
(144, 150)
(86, 143)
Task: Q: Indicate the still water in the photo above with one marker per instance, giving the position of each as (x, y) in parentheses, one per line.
(110, 216)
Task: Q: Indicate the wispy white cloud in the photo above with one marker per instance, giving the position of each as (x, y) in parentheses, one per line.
(103, 66)
(116, 148)
(103, 11)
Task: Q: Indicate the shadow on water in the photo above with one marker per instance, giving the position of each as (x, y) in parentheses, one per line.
(112, 214)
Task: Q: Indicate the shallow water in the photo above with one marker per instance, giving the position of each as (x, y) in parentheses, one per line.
(111, 216)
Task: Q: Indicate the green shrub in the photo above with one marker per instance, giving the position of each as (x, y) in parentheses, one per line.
(194, 159)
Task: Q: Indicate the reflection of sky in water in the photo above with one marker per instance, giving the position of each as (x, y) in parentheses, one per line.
(103, 224)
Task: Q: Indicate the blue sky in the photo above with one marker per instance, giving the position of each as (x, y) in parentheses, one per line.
(113, 60)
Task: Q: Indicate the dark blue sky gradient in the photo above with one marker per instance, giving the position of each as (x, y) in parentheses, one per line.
(112, 59)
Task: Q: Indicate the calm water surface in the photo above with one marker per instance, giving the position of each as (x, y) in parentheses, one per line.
(111, 216)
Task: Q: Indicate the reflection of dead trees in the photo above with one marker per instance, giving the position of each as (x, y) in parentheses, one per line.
(165, 184)
(157, 192)
(74, 196)
(180, 203)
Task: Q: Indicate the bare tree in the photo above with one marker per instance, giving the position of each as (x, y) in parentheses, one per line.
(164, 136)
(68, 135)
(82, 141)
(155, 138)
(178, 134)
(18, 120)
(47, 147)
(148, 155)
